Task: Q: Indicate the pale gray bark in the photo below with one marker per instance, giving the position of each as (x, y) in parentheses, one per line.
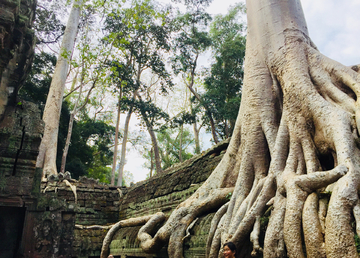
(70, 127)
(197, 139)
(116, 139)
(48, 147)
(123, 147)
(156, 149)
(151, 161)
(132, 222)
(73, 113)
(180, 142)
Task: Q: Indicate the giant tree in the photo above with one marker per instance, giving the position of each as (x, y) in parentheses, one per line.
(294, 148)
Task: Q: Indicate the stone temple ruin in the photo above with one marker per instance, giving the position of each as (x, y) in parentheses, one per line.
(66, 217)
(58, 218)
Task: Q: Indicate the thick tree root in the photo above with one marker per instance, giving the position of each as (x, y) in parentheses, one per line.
(126, 223)
(188, 229)
(72, 187)
(314, 240)
(296, 134)
(77, 226)
(274, 245)
(254, 237)
(175, 227)
(214, 226)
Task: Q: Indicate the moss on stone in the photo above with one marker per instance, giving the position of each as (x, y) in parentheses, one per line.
(357, 243)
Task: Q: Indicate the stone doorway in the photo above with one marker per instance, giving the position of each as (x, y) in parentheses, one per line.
(11, 228)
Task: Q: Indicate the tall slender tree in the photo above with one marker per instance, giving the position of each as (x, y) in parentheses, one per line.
(141, 34)
(48, 147)
(123, 146)
(191, 40)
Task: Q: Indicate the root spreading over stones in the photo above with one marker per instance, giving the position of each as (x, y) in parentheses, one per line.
(294, 147)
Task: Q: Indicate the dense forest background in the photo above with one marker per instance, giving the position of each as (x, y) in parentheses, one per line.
(143, 76)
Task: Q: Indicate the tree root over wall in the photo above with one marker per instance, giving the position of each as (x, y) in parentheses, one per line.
(296, 136)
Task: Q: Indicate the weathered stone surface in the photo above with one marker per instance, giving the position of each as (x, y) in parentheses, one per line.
(126, 244)
(98, 204)
(16, 47)
(20, 134)
(49, 228)
(164, 193)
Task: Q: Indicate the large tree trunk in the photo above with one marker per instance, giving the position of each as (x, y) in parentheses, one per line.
(293, 150)
(48, 147)
(197, 139)
(196, 132)
(180, 142)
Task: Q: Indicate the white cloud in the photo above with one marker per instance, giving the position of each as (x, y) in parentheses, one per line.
(334, 28)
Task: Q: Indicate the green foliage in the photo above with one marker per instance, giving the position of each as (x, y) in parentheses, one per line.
(90, 150)
(357, 243)
(141, 34)
(198, 5)
(223, 84)
(3, 182)
(154, 116)
(38, 82)
(100, 172)
(48, 28)
(181, 119)
(138, 39)
(228, 196)
(170, 142)
(191, 37)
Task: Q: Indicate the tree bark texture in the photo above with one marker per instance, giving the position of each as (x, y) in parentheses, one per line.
(123, 147)
(116, 139)
(48, 147)
(295, 139)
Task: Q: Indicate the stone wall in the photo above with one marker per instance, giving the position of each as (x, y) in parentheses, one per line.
(20, 127)
(164, 193)
(60, 217)
(17, 41)
(49, 221)
(60, 208)
(20, 134)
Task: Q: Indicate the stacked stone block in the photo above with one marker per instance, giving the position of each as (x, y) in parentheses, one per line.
(93, 204)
